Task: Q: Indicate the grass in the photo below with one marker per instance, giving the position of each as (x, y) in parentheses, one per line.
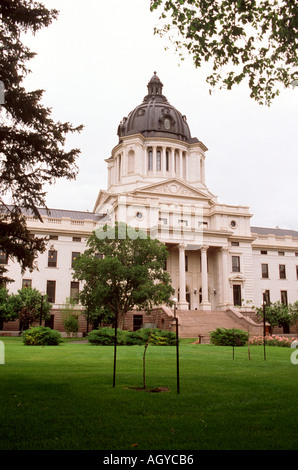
(61, 398)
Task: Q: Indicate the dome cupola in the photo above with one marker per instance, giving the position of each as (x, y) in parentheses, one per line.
(156, 117)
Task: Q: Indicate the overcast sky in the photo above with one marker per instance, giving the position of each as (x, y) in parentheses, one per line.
(94, 64)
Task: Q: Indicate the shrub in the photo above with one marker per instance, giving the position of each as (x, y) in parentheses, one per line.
(105, 336)
(41, 336)
(228, 337)
(280, 341)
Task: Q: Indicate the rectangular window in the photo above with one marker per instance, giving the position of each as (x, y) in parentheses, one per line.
(53, 237)
(234, 243)
(76, 239)
(297, 272)
(281, 253)
(3, 257)
(74, 290)
(236, 264)
(74, 256)
(263, 252)
(267, 297)
(265, 271)
(284, 297)
(186, 263)
(158, 160)
(150, 160)
(26, 283)
(282, 271)
(51, 291)
(237, 299)
(52, 259)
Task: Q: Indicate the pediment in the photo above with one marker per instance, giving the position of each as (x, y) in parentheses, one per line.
(175, 188)
(237, 279)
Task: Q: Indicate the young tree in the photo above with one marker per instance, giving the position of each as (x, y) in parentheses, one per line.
(6, 310)
(244, 39)
(32, 145)
(276, 314)
(293, 312)
(130, 272)
(30, 306)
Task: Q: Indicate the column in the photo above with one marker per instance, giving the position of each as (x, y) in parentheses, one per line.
(182, 304)
(163, 161)
(180, 164)
(172, 163)
(224, 278)
(205, 301)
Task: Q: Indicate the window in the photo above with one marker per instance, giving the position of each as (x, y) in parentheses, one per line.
(74, 290)
(282, 271)
(186, 263)
(76, 239)
(26, 283)
(284, 297)
(53, 237)
(52, 259)
(265, 271)
(267, 297)
(281, 253)
(51, 291)
(3, 257)
(296, 272)
(263, 252)
(237, 299)
(158, 160)
(236, 264)
(167, 161)
(234, 243)
(150, 160)
(74, 256)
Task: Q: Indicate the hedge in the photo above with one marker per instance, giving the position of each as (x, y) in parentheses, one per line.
(105, 336)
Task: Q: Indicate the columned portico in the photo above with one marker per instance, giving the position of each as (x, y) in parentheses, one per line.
(205, 304)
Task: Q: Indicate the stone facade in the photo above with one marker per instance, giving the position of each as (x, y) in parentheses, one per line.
(156, 182)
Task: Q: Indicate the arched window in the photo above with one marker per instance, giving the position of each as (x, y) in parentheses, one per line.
(158, 160)
(150, 160)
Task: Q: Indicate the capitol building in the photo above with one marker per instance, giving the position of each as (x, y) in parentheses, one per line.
(220, 265)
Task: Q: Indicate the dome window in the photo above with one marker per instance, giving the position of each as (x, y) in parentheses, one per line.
(167, 123)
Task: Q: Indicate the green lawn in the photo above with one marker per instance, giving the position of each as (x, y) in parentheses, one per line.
(62, 398)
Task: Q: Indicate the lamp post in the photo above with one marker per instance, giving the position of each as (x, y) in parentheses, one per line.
(264, 324)
(177, 344)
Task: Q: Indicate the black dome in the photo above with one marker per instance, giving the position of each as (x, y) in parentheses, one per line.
(156, 117)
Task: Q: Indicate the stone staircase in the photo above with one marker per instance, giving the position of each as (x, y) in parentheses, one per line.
(199, 323)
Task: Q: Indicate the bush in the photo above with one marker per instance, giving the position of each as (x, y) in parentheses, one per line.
(41, 336)
(105, 336)
(280, 341)
(228, 337)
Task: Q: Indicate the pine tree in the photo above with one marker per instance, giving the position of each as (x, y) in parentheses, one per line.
(32, 150)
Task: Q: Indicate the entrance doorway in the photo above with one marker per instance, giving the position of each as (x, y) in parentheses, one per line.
(237, 299)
